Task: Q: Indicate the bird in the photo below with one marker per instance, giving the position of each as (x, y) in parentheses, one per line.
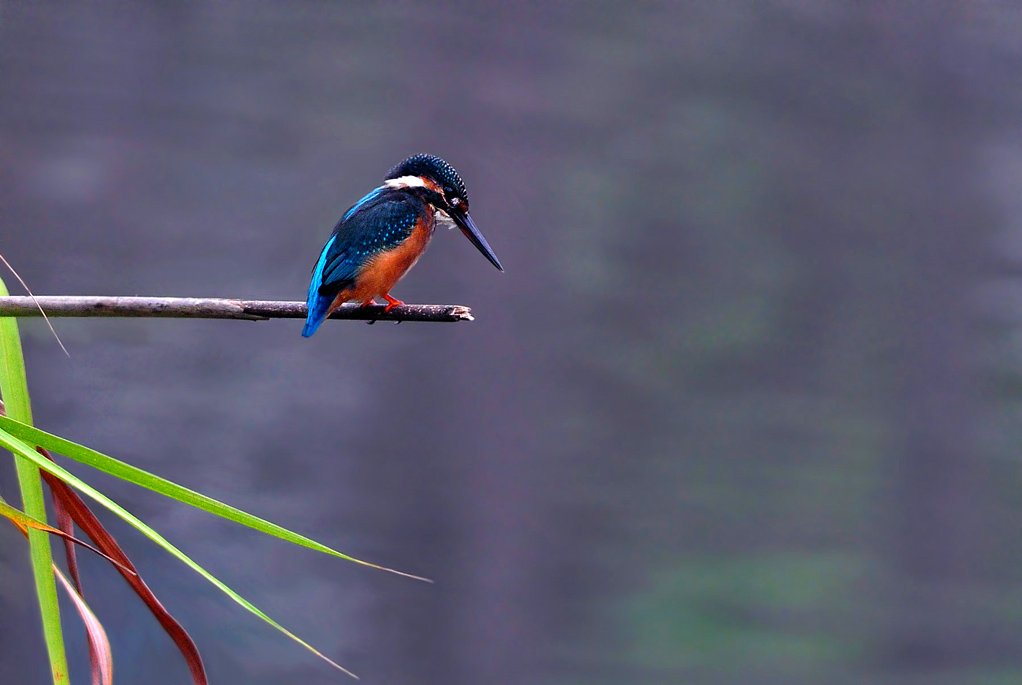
(380, 237)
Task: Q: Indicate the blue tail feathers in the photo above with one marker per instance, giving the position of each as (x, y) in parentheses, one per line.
(317, 313)
(318, 304)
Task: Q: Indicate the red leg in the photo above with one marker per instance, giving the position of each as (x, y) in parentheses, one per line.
(369, 303)
(392, 302)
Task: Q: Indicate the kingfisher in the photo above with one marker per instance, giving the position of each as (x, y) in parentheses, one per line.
(382, 235)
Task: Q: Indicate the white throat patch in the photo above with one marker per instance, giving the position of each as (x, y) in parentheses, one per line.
(406, 182)
(444, 220)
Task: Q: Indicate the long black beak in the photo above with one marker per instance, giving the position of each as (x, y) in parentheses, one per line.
(468, 227)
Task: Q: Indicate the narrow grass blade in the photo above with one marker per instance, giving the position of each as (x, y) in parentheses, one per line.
(14, 444)
(66, 524)
(14, 392)
(23, 520)
(41, 311)
(101, 657)
(165, 487)
(90, 525)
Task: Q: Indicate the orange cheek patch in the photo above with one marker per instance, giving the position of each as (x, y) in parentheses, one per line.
(432, 185)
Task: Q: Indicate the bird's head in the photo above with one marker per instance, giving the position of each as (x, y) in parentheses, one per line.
(444, 189)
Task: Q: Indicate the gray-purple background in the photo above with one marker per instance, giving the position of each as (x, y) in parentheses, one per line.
(745, 408)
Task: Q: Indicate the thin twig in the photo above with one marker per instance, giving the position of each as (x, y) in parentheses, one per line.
(41, 312)
(217, 308)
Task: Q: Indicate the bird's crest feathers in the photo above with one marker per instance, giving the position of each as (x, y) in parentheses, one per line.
(434, 168)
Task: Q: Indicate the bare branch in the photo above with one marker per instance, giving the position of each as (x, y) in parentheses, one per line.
(217, 308)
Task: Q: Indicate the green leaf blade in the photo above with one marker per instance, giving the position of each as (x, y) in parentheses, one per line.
(14, 392)
(23, 449)
(145, 479)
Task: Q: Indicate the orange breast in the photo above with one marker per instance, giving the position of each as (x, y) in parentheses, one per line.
(381, 273)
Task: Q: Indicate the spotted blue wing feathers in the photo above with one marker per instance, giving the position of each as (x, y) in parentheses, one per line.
(380, 221)
(365, 233)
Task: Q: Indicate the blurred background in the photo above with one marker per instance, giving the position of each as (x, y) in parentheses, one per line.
(745, 408)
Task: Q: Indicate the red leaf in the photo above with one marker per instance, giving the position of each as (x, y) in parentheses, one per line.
(90, 525)
(96, 656)
(100, 655)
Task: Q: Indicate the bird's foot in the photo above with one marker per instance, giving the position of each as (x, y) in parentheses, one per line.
(391, 303)
(369, 303)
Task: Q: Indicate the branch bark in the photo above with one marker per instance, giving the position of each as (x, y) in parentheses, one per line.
(217, 308)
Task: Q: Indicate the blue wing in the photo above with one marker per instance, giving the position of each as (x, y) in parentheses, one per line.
(365, 201)
(370, 230)
(380, 221)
